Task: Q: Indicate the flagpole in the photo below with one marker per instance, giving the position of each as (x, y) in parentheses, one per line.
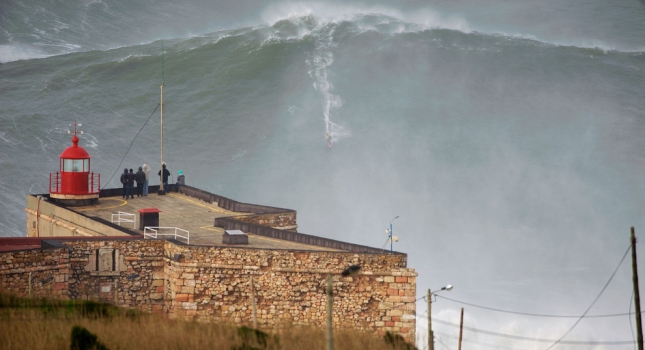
(162, 190)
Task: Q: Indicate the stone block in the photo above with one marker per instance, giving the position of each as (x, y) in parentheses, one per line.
(388, 279)
(189, 283)
(156, 296)
(157, 283)
(407, 325)
(189, 306)
(396, 313)
(182, 297)
(401, 279)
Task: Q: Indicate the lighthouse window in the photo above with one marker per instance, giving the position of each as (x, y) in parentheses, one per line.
(78, 165)
(86, 165)
(75, 165)
(68, 165)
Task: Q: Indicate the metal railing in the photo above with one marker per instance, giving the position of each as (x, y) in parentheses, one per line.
(153, 232)
(95, 182)
(124, 217)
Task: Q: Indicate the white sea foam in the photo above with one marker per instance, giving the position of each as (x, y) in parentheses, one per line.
(3, 137)
(239, 155)
(396, 21)
(402, 21)
(10, 53)
(319, 62)
(89, 141)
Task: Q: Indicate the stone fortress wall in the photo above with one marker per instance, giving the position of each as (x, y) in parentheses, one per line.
(87, 258)
(213, 283)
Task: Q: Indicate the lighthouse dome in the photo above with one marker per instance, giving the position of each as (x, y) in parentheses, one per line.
(74, 151)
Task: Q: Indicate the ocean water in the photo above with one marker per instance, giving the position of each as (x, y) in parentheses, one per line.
(507, 136)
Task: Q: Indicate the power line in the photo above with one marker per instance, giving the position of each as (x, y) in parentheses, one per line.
(474, 342)
(631, 299)
(533, 339)
(131, 143)
(592, 304)
(531, 314)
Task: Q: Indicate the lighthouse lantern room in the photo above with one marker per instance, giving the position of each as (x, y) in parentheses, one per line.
(74, 184)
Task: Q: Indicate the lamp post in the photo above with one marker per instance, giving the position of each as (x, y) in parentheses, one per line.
(330, 301)
(353, 270)
(429, 297)
(389, 232)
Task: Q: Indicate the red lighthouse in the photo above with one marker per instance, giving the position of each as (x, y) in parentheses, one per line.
(74, 184)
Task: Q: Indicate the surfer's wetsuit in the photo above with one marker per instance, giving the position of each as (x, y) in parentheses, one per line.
(328, 138)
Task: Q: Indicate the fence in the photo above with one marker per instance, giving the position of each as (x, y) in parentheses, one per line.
(153, 232)
(229, 204)
(228, 223)
(124, 217)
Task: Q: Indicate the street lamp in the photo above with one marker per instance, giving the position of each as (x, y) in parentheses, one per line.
(352, 270)
(429, 297)
(389, 232)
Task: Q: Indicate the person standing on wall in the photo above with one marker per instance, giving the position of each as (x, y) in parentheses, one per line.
(146, 171)
(166, 173)
(181, 180)
(131, 177)
(124, 181)
(140, 178)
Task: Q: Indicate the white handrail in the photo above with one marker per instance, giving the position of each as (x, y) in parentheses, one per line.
(153, 232)
(125, 217)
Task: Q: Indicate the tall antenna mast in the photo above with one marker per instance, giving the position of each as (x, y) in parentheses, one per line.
(162, 190)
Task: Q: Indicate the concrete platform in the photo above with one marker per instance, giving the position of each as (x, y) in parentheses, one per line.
(187, 213)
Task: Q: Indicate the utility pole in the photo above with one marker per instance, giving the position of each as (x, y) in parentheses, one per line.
(430, 334)
(255, 312)
(637, 297)
(330, 300)
(461, 327)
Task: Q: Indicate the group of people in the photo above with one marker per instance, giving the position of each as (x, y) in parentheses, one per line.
(142, 176)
